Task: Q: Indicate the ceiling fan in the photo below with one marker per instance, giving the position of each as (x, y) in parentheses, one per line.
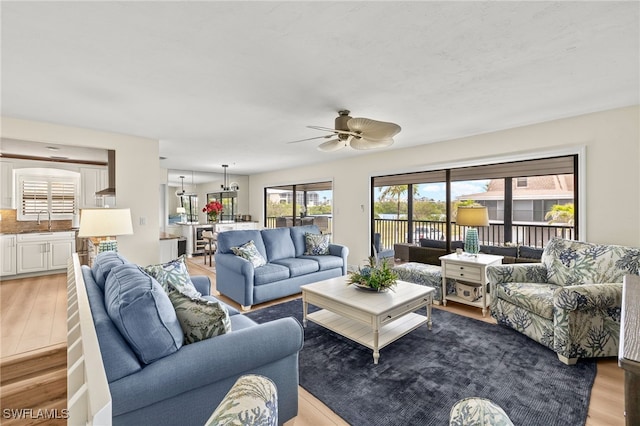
(358, 133)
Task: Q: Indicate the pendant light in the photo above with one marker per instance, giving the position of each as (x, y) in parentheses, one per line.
(226, 187)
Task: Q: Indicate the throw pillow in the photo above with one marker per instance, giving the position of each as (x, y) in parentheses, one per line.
(174, 275)
(199, 318)
(102, 265)
(316, 244)
(250, 252)
(142, 312)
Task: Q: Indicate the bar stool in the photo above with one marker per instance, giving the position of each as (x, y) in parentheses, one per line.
(211, 246)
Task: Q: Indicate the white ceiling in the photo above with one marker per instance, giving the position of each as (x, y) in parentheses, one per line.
(232, 82)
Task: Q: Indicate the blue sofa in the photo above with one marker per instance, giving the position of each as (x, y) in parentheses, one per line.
(287, 266)
(185, 387)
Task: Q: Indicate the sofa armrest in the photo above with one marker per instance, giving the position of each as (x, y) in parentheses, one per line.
(517, 273)
(588, 296)
(235, 263)
(207, 362)
(251, 397)
(340, 251)
(202, 283)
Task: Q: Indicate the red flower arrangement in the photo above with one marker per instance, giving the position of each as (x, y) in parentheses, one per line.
(212, 209)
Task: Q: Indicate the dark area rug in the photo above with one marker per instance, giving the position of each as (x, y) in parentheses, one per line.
(422, 375)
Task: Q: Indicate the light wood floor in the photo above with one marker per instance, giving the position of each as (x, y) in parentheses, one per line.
(33, 315)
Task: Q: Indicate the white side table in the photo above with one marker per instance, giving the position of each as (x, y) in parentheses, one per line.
(469, 269)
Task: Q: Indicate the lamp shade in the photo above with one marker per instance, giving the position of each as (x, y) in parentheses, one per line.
(105, 222)
(472, 216)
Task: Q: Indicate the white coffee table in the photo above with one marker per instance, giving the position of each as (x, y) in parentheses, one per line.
(369, 318)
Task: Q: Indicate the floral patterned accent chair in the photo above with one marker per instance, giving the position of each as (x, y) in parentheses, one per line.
(478, 412)
(570, 302)
(252, 401)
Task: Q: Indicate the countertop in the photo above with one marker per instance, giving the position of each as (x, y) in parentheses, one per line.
(166, 236)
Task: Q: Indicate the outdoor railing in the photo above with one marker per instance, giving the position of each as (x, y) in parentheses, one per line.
(394, 231)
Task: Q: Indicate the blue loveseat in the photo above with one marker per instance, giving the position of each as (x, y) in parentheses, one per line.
(287, 266)
(185, 386)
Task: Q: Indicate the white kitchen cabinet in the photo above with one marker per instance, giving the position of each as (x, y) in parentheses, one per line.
(92, 180)
(45, 251)
(6, 185)
(8, 253)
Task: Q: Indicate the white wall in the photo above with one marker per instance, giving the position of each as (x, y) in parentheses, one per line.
(611, 141)
(137, 165)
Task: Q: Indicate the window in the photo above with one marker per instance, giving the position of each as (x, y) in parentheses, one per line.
(46, 190)
(299, 204)
(529, 202)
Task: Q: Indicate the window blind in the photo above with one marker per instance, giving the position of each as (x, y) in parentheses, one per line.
(57, 195)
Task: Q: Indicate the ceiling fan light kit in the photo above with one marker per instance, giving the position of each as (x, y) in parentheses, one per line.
(358, 133)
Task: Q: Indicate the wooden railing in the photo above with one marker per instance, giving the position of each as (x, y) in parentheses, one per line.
(88, 396)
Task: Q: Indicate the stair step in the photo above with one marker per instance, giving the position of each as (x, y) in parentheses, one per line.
(35, 392)
(51, 413)
(29, 364)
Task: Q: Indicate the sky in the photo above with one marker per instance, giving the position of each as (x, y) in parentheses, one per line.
(436, 191)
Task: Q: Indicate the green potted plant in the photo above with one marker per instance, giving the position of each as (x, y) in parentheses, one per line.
(376, 276)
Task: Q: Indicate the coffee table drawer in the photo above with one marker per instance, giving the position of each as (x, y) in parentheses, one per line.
(463, 271)
(404, 309)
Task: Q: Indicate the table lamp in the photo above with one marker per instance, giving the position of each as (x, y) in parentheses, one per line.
(471, 217)
(105, 223)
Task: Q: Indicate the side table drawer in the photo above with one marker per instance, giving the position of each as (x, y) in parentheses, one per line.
(463, 271)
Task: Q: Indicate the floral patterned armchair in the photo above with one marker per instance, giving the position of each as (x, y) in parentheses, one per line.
(252, 401)
(570, 302)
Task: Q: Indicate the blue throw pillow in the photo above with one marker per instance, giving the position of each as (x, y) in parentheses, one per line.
(102, 265)
(142, 312)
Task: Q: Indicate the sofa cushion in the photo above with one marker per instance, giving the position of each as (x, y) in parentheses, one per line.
(326, 262)
(425, 242)
(316, 244)
(173, 275)
(229, 239)
(511, 252)
(530, 252)
(142, 312)
(269, 273)
(199, 318)
(232, 311)
(278, 243)
(534, 297)
(299, 266)
(571, 262)
(250, 252)
(102, 265)
(118, 358)
(297, 236)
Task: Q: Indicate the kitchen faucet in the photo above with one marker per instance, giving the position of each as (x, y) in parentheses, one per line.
(48, 212)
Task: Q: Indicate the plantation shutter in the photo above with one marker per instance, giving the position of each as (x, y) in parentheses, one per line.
(55, 194)
(35, 195)
(62, 197)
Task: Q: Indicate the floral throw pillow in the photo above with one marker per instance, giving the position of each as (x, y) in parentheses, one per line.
(173, 275)
(250, 252)
(316, 244)
(200, 318)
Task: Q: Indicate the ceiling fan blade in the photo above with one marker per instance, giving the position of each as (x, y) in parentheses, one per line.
(310, 139)
(334, 131)
(332, 145)
(373, 129)
(362, 143)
